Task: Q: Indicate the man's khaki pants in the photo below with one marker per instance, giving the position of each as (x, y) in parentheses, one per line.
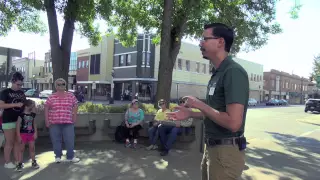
(222, 162)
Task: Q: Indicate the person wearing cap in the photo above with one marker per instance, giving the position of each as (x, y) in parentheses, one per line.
(153, 131)
(133, 119)
(225, 109)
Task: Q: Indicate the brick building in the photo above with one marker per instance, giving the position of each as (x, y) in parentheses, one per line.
(282, 85)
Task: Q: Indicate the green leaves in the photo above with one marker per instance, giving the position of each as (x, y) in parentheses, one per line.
(24, 14)
(316, 67)
(294, 11)
(252, 20)
(18, 13)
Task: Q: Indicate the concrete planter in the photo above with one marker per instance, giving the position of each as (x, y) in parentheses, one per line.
(83, 119)
(101, 127)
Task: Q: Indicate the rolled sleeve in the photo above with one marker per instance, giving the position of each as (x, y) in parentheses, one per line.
(236, 86)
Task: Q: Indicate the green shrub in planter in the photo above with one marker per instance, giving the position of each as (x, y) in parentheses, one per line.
(118, 109)
(148, 108)
(89, 107)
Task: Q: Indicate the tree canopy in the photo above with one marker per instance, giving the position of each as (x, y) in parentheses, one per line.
(315, 68)
(17, 13)
(24, 14)
(253, 21)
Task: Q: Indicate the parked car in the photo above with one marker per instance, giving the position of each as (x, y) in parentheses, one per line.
(283, 102)
(25, 89)
(273, 102)
(252, 102)
(45, 94)
(32, 93)
(312, 105)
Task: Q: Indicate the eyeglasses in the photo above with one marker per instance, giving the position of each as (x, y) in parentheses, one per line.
(207, 38)
(160, 104)
(181, 102)
(61, 84)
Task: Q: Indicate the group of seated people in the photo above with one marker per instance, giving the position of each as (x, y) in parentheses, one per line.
(161, 128)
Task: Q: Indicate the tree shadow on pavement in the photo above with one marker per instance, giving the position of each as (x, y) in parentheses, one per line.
(294, 157)
(113, 161)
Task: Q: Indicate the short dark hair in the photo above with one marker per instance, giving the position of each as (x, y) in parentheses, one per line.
(17, 76)
(28, 102)
(222, 31)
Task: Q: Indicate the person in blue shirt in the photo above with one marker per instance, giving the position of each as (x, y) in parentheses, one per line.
(133, 119)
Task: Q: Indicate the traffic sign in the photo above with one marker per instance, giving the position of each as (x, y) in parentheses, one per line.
(94, 85)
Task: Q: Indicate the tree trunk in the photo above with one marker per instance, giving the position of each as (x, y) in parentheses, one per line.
(169, 50)
(60, 54)
(165, 72)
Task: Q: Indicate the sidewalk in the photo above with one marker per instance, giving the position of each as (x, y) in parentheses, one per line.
(113, 161)
(265, 159)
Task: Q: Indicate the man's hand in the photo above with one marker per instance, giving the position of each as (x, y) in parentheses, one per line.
(193, 102)
(181, 113)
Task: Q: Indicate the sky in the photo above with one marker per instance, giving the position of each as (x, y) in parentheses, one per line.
(291, 51)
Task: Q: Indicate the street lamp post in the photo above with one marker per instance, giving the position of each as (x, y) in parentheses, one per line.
(177, 91)
(112, 85)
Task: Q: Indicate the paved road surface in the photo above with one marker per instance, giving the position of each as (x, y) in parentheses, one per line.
(284, 143)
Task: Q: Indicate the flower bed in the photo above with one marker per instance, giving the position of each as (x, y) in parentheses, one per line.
(89, 107)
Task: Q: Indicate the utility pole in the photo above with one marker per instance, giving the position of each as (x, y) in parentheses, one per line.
(8, 67)
(301, 89)
(280, 80)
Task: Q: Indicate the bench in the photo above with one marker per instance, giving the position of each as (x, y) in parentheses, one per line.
(88, 129)
(187, 136)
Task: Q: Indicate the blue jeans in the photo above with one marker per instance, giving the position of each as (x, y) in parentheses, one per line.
(153, 134)
(57, 131)
(166, 140)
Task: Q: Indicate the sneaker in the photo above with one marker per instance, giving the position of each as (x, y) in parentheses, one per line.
(19, 167)
(134, 146)
(58, 160)
(164, 153)
(35, 164)
(150, 147)
(9, 165)
(128, 144)
(17, 163)
(155, 147)
(73, 160)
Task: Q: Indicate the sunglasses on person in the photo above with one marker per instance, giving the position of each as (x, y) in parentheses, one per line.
(181, 102)
(160, 104)
(61, 84)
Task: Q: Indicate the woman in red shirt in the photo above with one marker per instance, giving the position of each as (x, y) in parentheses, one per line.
(60, 115)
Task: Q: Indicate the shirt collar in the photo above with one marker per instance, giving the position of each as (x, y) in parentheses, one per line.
(223, 65)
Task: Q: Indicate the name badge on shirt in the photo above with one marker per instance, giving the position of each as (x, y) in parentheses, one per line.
(211, 91)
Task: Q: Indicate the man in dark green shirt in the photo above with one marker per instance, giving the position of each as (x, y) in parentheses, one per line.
(225, 109)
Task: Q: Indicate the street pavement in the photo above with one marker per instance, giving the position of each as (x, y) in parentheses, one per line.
(284, 143)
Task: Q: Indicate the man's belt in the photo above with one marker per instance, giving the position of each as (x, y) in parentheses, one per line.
(226, 141)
